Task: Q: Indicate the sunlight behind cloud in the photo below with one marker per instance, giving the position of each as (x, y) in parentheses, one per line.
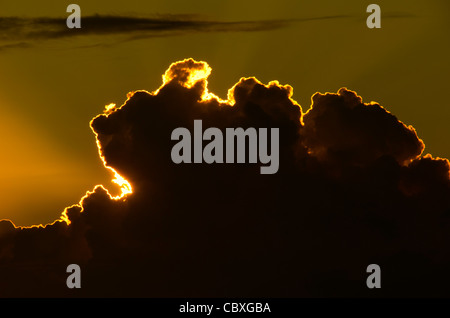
(34, 174)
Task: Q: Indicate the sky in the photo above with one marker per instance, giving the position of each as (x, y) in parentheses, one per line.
(363, 127)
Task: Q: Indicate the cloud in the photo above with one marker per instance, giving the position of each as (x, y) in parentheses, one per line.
(341, 128)
(29, 30)
(25, 32)
(352, 189)
(51, 28)
(21, 32)
(18, 45)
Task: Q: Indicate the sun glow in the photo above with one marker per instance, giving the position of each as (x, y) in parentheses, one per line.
(125, 188)
(124, 185)
(188, 73)
(198, 75)
(109, 108)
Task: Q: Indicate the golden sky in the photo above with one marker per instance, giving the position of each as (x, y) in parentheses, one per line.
(51, 88)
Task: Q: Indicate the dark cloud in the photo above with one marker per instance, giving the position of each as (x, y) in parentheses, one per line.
(24, 32)
(341, 129)
(20, 32)
(50, 28)
(352, 189)
(18, 45)
(32, 30)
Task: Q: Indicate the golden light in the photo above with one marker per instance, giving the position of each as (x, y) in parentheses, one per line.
(109, 108)
(124, 185)
(188, 71)
(198, 75)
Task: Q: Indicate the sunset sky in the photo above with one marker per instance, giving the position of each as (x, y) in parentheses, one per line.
(50, 88)
(358, 116)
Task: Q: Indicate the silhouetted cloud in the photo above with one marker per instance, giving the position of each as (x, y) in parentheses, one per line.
(352, 189)
(340, 128)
